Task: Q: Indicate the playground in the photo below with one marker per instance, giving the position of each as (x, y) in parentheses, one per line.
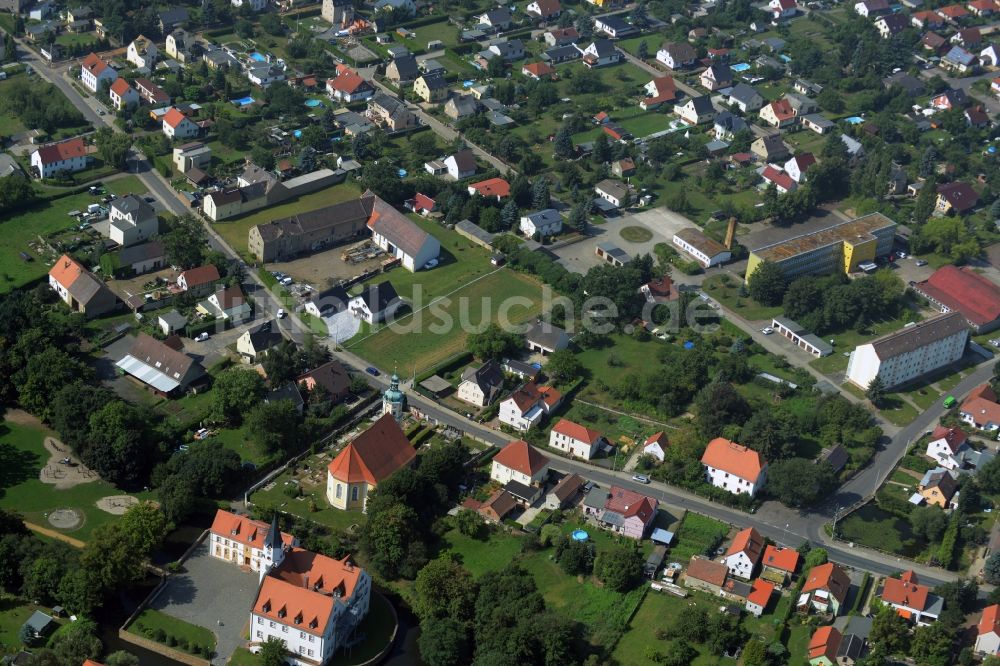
(63, 470)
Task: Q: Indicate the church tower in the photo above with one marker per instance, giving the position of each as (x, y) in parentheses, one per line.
(393, 400)
(274, 549)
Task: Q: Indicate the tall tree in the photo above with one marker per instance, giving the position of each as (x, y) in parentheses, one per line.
(767, 284)
(540, 193)
(234, 393)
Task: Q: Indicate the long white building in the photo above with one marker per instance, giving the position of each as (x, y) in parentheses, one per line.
(240, 540)
(911, 352)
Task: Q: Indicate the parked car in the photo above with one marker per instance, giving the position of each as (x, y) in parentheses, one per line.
(201, 337)
(281, 313)
(640, 478)
(431, 264)
(767, 330)
(372, 371)
(921, 262)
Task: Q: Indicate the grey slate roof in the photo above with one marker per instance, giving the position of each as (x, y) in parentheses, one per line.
(923, 333)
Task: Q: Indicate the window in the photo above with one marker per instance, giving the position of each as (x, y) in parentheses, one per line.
(260, 634)
(339, 488)
(312, 639)
(284, 629)
(302, 634)
(354, 494)
(260, 620)
(272, 625)
(310, 653)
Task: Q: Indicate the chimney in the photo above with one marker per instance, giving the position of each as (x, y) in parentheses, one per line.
(305, 583)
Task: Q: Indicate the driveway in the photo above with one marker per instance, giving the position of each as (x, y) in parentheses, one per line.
(212, 594)
(342, 326)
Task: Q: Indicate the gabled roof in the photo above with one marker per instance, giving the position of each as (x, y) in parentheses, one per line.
(906, 591)
(824, 643)
(731, 457)
(332, 377)
(539, 69)
(778, 177)
(960, 195)
(465, 160)
(374, 454)
(168, 363)
(77, 280)
(803, 161)
(968, 292)
(953, 11)
(378, 297)
(349, 81)
(894, 23)
(990, 622)
(828, 577)
(713, 573)
(200, 275)
(265, 336)
(120, 87)
(659, 438)
(93, 64)
(244, 530)
(920, 335)
(64, 150)
(940, 479)
(981, 405)
(548, 7)
(628, 504)
(953, 437)
(492, 187)
(679, 51)
(174, 117)
(522, 457)
(488, 377)
(748, 541)
(567, 487)
(760, 592)
(784, 559)
(389, 223)
(782, 109)
(577, 432)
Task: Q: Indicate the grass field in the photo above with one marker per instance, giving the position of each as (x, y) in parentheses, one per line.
(24, 456)
(184, 633)
(325, 515)
(235, 231)
(697, 534)
(126, 185)
(871, 526)
(728, 296)
(14, 612)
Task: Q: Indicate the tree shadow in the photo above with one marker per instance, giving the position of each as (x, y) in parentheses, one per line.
(16, 466)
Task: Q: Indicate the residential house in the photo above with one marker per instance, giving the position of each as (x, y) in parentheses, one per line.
(311, 603)
(855, 151)
(546, 222)
(194, 155)
(142, 258)
(402, 70)
(176, 125)
(561, 36)
(496, 508)
(431, 87)
(538, 71)
(927, 20)
(913, 86)
(623, 168)
(983, 8)
(178, 44)
(313, 230)
(165, 370)
(759, 597)
(677, 55)
(825, 589)
(911, 599)
(560, 54)
(240, 540)
(778, 113)
(614, 26)
(950, 99)
(264, 74)
(891, 25)
(366, 461)
(421, 204)
(461, 165)
(151, 93)
(801, 105)
(872, 8)
(122, 95)
(331, 378)
(376, 303)
(661, 90)
(337, 12)
(80, 289)
(696, 110)
(328, 302)
(956, 197)
(796, 166)
(172, 17)
(910, 352)
(37, 627)
(255, 342)
(94, 73)
(977, 117)
(726, 125)
(717, 76)
(744, 553)
(706, 251)
(599, 53)
(734, 468)
(779, 564)
(544, 9)
(981, 409)
(626, 512)
(401, 238)
(575, 439)
(770, 148)
(782, 182)
(968, 38)
(706, 575)
(198, 281)
(349, 86)
(656, 446)
(823, 646)
(131, 221)
(508, 50)
(746, 98)
(461, 106)
(529, 405)
(545, 338)
(521, 463)
(563, 493)
(782, 9)
(63, 157)
(490, 188)
(498, 19)
(938, 487)
(391, 113)
(959, 60)
(988, 631)
(481, 386)
(142, 53)
(228, 304)
(945, 446)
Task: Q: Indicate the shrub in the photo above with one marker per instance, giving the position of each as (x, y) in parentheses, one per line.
(171, 641)
(159, 635)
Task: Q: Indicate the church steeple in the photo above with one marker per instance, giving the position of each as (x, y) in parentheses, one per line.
(393, 400)
(274, 548)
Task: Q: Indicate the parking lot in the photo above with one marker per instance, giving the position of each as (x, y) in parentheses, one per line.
(323, 269)
(213, 594)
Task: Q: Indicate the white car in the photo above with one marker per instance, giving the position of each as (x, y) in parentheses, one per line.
(431, 264)
(281, 313)
(767, 330)
(201, 337)
(287, 281)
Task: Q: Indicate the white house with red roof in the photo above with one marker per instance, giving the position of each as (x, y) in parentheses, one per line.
(491, 187)
(519, 462)
(945, 446)
(310, 602)
(796, 166)
(401, 238)
(348, 86)
(656, 445)
(912, 600)
(981, 409)
(759, 597)
(199, 280)
(744, 553)
(733, 467)
(575, 439)
(825, 589)
(94, 73)
(122, 94)
(366, 461)
(625, 512)
(782, 9)
(240, 539)
(779, 564)
(63, 157)
(778, 113)
(176, 125)
(528, 406)
(782, 182)
(988, 638)
(661, 90)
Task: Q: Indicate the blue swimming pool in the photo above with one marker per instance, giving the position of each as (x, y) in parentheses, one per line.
(257, 56)
(402, 173)
(313, 103)
(243, 101)
(740, 67)
(854, 120)
(468, 84)
(297, 134)
(580, 535)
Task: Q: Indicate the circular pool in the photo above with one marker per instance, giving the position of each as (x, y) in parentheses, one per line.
(580, 535)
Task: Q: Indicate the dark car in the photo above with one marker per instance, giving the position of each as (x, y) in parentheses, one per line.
(372, 371)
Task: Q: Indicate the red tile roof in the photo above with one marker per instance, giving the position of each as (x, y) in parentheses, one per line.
(530, 394)
(539, 69)
(828, 577)
(630, 503)
(779, 178)
(174, 117)
(64, 150)
(975, 296)
(200, 275)
(66, 271)
(782, 109)
(747, 541)
(731, 457)
(576, 431)
(760, 593)
(120, 87)
(953, 11)
(244, 530)
(905, 591)
(804, 160)
(990, 622)
(423, 202)
(784, 559)
(929, 17)
(493, 187)
(374, 454)
(94, 64)
(953, 437)
(981, 405)
(658, 438)
(348, 82)
(521, 457)
(708, 571)
(824, 643)
(663, 288)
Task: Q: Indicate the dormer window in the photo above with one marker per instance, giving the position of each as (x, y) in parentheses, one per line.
(313, 623)
(298, 619)
(267, 606)
(282, 612)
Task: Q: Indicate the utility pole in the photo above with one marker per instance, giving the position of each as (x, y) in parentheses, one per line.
(836, 515)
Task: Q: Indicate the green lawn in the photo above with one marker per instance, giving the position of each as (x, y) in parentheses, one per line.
(897, 411)
(729, 296)
(126, 185)
(235, 230)
(482, 556)
(798, 644)
(696, 535)
(76, 39)
(377, 627)
(14, 612)
(874, 527)
(243, 657)
(314, 494)
(187, 637)
(23, 453)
